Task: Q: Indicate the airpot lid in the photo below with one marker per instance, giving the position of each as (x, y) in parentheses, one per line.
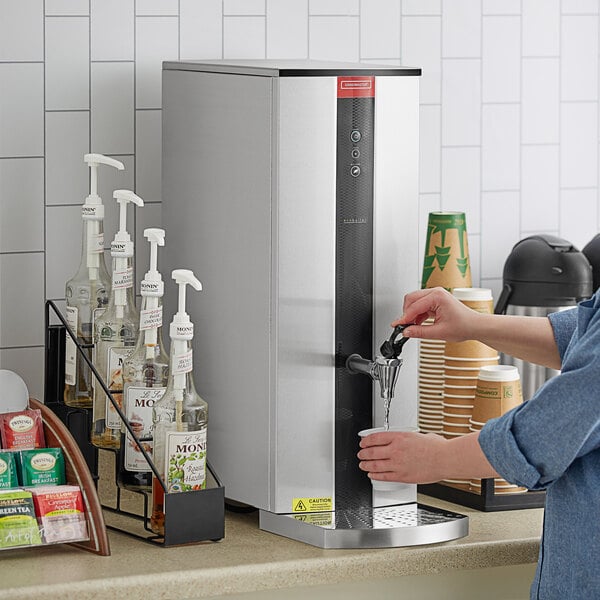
(545, 270)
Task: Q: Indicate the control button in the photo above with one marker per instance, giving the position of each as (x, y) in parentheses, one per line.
(355, 135)
(355, 171)
(355, 153)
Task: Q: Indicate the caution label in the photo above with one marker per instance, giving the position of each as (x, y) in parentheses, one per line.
(308, 505)
(324, 519)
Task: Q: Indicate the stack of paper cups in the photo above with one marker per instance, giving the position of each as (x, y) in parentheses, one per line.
(431, 381)
(462, 361)
(446, 264)
(498, 391)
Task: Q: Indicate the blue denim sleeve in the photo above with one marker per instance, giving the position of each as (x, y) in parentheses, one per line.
(563, 324)
(535, 443)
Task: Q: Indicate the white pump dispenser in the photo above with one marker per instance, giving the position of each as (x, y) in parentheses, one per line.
(181, 416)
(152, 287)
(86, 293)
(181, 331)
(116, 331)
(92, 211)
(145, 376)
(121, 249)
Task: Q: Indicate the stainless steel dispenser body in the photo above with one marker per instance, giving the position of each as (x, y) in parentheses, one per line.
(304, 247)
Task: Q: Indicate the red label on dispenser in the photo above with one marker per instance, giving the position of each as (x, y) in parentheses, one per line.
(356, 87)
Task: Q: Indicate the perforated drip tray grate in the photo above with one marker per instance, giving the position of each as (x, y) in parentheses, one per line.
(368, 527)
(411, 515)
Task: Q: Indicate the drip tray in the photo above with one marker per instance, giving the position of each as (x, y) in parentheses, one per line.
(367, 527)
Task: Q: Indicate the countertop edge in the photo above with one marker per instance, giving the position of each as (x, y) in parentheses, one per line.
(328, 569)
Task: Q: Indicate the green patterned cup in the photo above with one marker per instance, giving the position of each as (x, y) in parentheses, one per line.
(446, 261)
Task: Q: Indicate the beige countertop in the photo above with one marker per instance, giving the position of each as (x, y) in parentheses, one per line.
(250, 560)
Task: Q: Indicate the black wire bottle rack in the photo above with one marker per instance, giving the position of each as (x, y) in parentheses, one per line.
(190, 517)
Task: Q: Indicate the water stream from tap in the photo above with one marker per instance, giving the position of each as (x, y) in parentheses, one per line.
(386, 413)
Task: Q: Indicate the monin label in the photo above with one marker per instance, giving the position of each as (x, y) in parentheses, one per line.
(92, 212)
(182, 363)
(116, 357)
(121, 249)
(139, 404)
(70, 347)
(185, 461)
(122, 279)
(151, 318)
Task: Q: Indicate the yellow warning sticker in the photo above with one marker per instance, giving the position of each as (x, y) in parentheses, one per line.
(323, 519)
(302, 505)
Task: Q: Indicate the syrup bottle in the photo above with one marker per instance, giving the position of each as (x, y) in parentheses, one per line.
(87, 291)
(145, 375)
(180, 416)
(115, 332)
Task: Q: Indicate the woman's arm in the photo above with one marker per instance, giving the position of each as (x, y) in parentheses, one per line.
(527, 338)
(423, 458)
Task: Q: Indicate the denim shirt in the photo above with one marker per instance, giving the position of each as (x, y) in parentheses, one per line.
(552, 442)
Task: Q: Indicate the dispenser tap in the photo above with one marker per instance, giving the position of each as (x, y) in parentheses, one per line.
(384, 368)
(392, 348)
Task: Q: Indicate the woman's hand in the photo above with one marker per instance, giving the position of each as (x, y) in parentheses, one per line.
(402, 456)
(422, 458)
(453, 321)
(528, 338)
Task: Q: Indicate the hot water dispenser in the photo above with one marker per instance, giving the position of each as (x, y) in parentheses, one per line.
(291, 189)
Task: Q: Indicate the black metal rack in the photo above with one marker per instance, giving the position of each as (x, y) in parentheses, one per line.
(190, 517)
(487, 500)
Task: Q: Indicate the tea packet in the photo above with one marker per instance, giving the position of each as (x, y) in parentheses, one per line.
(22, 430)
(42, 466)
(18, 524)
(60, 513)
(8, 470)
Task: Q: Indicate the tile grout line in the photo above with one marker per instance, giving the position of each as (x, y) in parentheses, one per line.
(560, 117)
(521, 121)
(481, 186)
(44, 173)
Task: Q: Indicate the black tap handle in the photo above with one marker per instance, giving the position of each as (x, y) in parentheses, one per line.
(392, 348)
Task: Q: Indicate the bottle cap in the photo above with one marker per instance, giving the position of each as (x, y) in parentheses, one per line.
(152, 284)
(122, 246)
(92, 208)
(181, 327)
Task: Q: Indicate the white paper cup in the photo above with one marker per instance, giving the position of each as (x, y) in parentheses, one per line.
(431, 420)
(428, 386)
(386, 486)
(430, 372)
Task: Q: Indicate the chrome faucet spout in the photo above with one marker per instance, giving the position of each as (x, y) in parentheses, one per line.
(387, 373)
(356, 364)
(383, 370)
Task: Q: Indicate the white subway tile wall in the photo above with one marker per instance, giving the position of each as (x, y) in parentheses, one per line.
(287, 29)
(541, 27)
(461, 183)
(112, 111)
(540, 100)
(509, 118)
(67, 140)
(421, 45)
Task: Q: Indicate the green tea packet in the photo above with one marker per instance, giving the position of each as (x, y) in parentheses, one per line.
(18, 523)
(42, 466)
(8, 470)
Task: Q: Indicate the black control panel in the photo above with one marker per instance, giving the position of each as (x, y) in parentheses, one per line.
(354, 289)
